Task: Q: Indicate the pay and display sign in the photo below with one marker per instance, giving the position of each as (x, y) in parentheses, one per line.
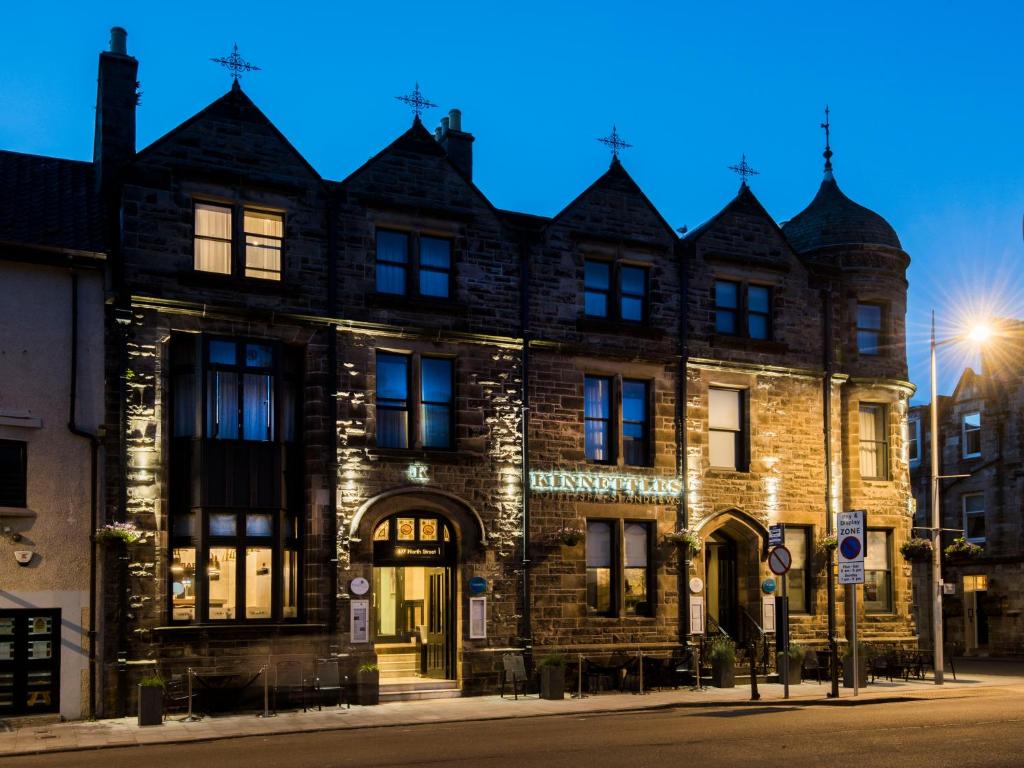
(852, 539)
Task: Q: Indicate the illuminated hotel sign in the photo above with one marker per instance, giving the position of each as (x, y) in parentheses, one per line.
(625, 487)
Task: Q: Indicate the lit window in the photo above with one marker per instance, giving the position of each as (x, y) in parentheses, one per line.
(914, 441)
(213, 238)
(264, 235)
(971, 439)
(597, 418)
(798, 579)
(599, 568)
(874, 445)
(869, 328)
(974, 518)
(726, 429)
(239, 390)
(878, 572)
(183, 584)
(635, 570)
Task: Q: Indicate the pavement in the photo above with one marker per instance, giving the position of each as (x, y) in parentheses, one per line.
(980, 677)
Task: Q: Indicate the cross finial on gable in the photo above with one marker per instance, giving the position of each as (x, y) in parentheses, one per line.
(827, 154)
(615, 143)
(235, 64)
(743, 170)
(416, 101)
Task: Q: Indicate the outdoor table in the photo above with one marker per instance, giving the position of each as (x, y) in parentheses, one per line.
(221, 688)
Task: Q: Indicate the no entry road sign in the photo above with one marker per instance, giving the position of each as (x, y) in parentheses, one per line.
(779, 560)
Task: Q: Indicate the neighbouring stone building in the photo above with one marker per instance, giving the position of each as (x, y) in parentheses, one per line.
(981, 437)
(51, 409)
(381, 418)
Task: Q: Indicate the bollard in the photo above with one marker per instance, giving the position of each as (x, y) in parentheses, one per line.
(754, 695)
(264, 670)
(579, 678)
(640, 657)
(190, 718)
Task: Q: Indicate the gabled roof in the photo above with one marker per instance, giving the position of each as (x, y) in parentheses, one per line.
(969, 386)
(234, 105)
(745, 202)
(49, 202)
(616, 176)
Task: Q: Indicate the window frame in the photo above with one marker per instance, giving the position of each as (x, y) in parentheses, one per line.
(914, 439)
(615, 292)
(965, 432)
(415, 402)
(616, 421)
(277, 276)
(807, 532)
(881, 446)
(890, 586)
(742, 313)
(878, 333)
(617, 569)
(741, 435)
(974, 513)
(238, 245)
(424, 403)
(413, 266)
(240, 369)
(19, 476)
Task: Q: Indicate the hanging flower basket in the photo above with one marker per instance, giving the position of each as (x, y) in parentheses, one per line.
(569, 535)
(827, 545)
(127, 533)
(916, 550)
(684, 540)
(961, 549)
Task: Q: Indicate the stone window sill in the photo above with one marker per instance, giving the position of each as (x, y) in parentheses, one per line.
(449, 306)
(767, 346)
(620, 327)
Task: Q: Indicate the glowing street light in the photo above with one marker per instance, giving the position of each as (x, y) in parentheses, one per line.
(979, 334)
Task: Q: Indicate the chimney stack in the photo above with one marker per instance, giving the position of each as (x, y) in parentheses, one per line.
(114, 139)
(457, 143)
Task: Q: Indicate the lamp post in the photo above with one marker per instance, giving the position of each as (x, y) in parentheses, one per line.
(978, 334)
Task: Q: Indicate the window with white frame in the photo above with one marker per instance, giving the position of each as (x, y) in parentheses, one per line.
(727, 433)
(874, 446)
(878, 572)
(971, 435)
(914, 440)
(974, 517)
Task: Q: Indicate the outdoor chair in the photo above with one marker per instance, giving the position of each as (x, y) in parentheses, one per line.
(176, 694)
(810, 666)
(600, 677)
(327, 679)
(880, 667)
(288, 679)
(513, 671)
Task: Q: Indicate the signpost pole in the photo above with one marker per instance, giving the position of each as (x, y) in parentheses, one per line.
(854, 655)
(785, 636)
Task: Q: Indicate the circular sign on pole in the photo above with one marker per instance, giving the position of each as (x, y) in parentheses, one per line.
(478, 585)
(359, 586)
(768, 586)
(850, 547)
(779, 560)
(696, 585)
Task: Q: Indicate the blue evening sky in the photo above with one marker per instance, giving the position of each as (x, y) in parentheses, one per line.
(926, 97)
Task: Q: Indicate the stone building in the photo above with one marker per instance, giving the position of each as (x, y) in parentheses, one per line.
(382, 418)
(51, 409)
(980, 437)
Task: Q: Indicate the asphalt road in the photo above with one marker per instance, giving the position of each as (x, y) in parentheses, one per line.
(979, 729)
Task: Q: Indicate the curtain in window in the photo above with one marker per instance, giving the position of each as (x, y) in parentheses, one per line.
(258, 407)
(222, 405)
(724, 427)
(436, 381)
(634, 571)
(213, 238)
(392, 401)
(599, 567)
(263, 237)
(392, 257)
(871, 441)
(877, 581)
(596, 405)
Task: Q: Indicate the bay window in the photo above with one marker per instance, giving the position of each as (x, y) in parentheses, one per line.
(878, 572)
(874, 444)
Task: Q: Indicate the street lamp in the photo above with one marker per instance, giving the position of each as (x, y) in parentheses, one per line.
(979, 334)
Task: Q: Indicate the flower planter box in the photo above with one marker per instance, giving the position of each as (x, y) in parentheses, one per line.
(723, 674)
(151, 705)
(862, 665)
(790, 670)
(367, 688)
(552, 683)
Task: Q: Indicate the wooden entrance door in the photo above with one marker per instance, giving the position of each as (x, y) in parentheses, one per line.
(439, 634)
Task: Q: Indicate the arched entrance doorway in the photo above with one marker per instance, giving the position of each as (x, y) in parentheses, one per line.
(721, 586)
(414, 607)
(735, 544)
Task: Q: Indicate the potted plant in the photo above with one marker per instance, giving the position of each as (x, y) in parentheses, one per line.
(151, 700)
(569, 535)
(827, 544)
(916, 550)
(120, 533)
(791, 665)
(368, 684)
(687, 540)
(722, 653)
(961, 549)
(552, 676)
(863, 663)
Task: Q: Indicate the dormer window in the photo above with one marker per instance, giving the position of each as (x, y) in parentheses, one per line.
(410, 264)
(743, 309)
(215, 240)
(614, 291)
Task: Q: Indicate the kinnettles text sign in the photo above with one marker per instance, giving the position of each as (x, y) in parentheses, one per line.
(624, 487)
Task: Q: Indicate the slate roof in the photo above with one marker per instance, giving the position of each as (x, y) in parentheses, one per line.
(834, 219)
(49, 202)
